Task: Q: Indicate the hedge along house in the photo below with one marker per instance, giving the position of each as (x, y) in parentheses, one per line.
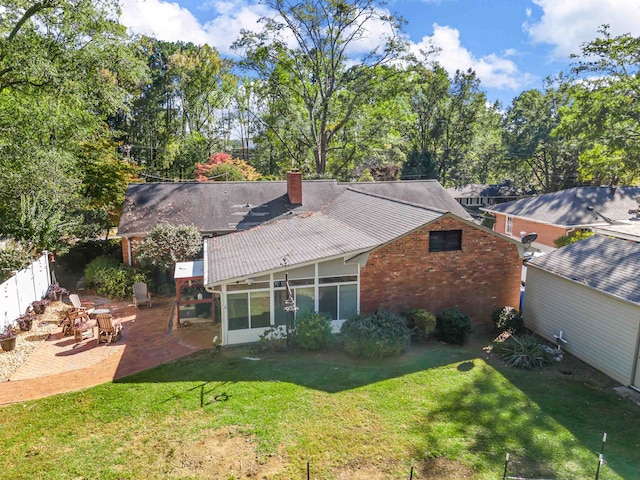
(360, 253)
(590, 291)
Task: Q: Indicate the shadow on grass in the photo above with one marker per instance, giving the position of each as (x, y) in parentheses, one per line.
(546, 416)
(583, 401)
(330, 372)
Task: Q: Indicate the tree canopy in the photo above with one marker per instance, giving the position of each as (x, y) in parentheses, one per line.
(86, 108)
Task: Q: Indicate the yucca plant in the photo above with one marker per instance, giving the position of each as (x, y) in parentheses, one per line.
(524, 352)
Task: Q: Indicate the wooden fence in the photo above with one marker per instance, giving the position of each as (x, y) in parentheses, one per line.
(26, 286)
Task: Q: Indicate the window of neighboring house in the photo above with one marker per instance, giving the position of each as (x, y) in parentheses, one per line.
(445, 240)
(508, 226)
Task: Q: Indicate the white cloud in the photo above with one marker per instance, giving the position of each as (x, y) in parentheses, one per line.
(170, 22)
(567, 24)
(494, 71)
(163, 20)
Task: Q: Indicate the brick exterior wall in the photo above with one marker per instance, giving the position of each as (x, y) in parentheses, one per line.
(484, 275)
(546, 233)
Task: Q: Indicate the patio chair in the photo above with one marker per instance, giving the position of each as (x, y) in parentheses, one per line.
(75, 322)
(109, 330)
(78, 305)
(141, 296)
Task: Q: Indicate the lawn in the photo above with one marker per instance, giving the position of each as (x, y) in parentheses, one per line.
(452, 411)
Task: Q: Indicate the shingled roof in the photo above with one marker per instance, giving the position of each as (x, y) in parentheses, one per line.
(569, 208)
(606, 264)
(354, 223)
(229, 206)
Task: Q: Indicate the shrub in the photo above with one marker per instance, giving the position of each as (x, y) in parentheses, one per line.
(167, 244)
(94, 269)
(453, 326)
(273, 339)
(13, 256)
(524, 352)
(421, 322)
(378, 335)
(507, 319)
(79, 256)
(112, 279)
(313, 331)
(573, 237)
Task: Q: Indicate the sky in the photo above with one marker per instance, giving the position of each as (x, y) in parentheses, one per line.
(513, 45)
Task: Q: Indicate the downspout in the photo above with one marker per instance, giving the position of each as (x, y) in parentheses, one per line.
(129, 252)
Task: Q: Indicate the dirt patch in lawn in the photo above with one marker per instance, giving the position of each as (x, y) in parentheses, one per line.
(444, 469)
(223, 454)
(231, 453)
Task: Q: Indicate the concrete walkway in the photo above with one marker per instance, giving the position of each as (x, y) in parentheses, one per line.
(61, 365)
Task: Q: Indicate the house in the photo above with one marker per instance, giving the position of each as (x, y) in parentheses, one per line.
(475, 195)
(219, 208)
(361, 252)
(556, 214)
(588, 293)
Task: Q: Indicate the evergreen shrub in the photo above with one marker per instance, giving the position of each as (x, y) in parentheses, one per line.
(313, 331)
(453, 326)
(421, 323)
(111, 278)
(378, 335)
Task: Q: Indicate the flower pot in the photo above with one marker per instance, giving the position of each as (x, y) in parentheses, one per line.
(26, 325)
(38, 308)
(8, 344)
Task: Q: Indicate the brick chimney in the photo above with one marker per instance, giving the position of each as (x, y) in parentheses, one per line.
(294, 187)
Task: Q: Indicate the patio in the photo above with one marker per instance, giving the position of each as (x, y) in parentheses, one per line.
(149, 338)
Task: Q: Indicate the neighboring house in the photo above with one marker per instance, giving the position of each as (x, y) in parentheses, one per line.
(219, 208)
(475, 195)
(590, 291)
(629, 231)
(362, 252)
(553, 215)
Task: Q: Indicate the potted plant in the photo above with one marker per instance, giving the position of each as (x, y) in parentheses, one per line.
(25, 321)
(39, 306)
(56, 292)
(8, 339)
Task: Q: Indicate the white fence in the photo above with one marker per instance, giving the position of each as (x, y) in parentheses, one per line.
(28, 285)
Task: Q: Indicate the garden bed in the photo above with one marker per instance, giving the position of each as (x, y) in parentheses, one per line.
(28, 342)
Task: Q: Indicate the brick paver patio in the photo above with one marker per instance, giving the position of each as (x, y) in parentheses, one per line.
(61, 365)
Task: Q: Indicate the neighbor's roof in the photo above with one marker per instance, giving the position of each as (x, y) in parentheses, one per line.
(230, 206)
(630, 231)
(569, 207)
(606, 264)
(476, 190)
(355, 222)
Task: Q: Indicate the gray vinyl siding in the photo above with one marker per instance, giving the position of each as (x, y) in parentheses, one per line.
(601, 330)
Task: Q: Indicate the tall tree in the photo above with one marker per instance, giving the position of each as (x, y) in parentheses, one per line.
(446, 112)
(65, 67)
(304, 54)
(533, 150)
(605, 114)
(178, 117)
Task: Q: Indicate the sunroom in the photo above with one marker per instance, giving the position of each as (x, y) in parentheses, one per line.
(252, 305)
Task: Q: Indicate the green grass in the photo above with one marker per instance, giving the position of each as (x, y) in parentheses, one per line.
(438, 402)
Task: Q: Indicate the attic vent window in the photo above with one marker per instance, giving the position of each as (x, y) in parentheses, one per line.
(445, 240)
